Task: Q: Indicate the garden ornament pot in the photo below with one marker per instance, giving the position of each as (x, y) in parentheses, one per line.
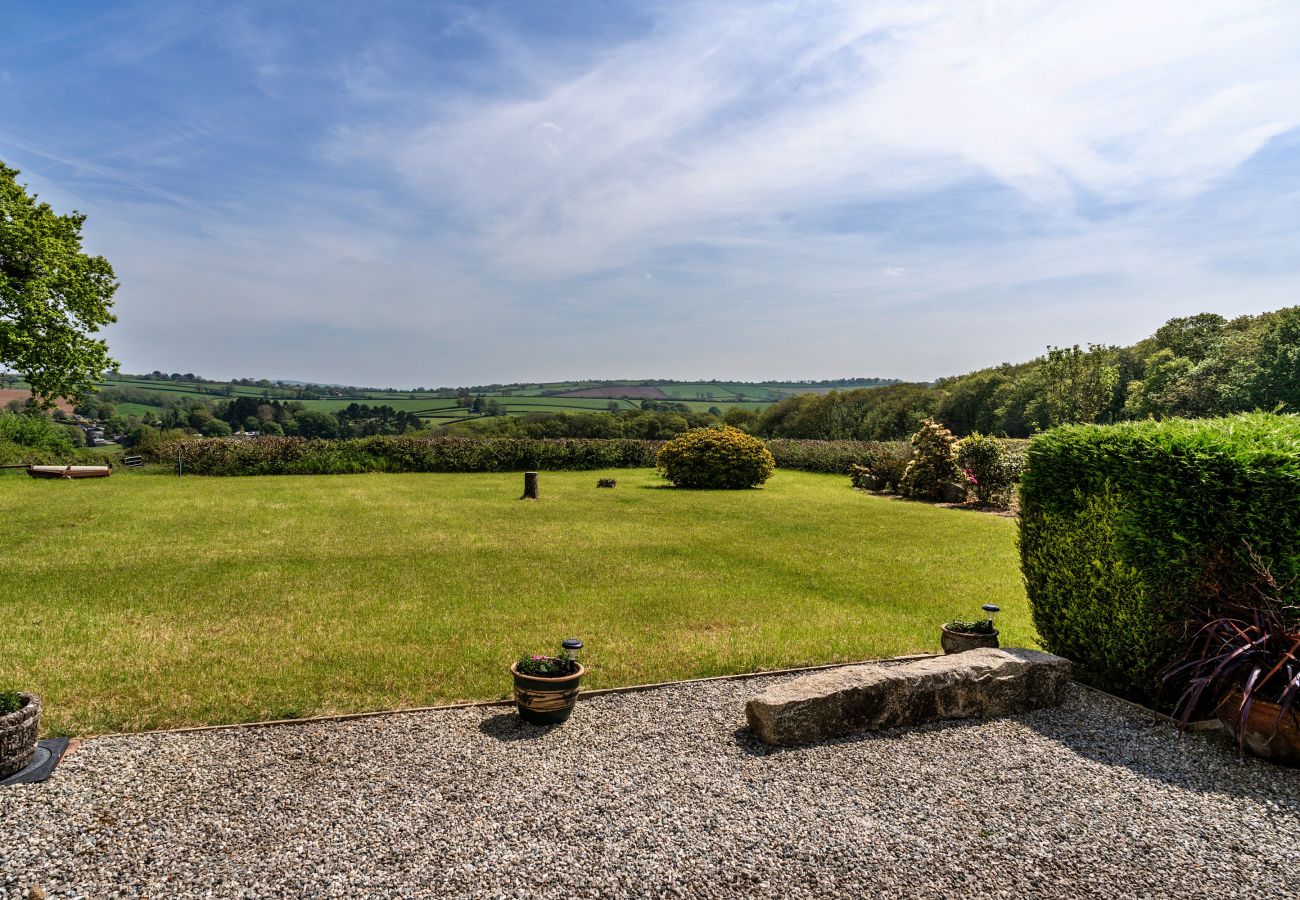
(546, 701)
(1264, 733)
(961, 641)
(18, 731)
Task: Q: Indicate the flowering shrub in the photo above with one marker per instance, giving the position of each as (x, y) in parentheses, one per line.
(721, 457)
(547, 666)
(986, 467)
(932, 473)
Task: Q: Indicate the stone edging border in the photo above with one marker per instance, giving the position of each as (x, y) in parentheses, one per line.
(1200, 726)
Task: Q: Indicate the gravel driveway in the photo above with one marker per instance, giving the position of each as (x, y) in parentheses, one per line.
(659, 793)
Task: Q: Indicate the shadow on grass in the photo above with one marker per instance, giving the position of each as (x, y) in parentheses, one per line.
(509, 727)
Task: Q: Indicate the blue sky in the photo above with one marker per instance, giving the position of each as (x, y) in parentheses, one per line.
(422, 193)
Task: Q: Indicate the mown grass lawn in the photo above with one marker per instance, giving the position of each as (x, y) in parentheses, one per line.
(147, 601)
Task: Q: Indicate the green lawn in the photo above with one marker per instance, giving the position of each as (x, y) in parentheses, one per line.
(144, 601)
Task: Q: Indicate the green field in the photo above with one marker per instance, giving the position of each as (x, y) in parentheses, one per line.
(441, 410)
(144, 601)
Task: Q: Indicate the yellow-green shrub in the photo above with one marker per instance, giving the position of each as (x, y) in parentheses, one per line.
(721, 457)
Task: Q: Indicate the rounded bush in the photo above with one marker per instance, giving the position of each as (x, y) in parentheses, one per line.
(720, 457)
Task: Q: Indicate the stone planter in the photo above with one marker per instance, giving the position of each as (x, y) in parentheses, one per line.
(1264, 734)
(961, 641)
(18, 731)
(546, 701)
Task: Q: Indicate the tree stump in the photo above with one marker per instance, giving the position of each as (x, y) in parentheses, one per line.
(530, 486)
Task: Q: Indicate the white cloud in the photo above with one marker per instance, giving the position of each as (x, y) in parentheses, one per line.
(739, 113)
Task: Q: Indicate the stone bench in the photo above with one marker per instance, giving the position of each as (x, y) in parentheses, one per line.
(979, 683)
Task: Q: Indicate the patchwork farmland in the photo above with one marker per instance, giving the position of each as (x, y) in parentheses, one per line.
(142, 395)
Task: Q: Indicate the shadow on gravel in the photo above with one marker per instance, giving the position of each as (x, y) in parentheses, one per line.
(749, 744)
(509, 727)
(1103, 731)
(1202, 762)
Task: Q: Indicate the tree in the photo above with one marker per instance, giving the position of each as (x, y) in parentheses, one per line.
(53, 297)
(1079, 385)
(317, 424)
(1192, 337)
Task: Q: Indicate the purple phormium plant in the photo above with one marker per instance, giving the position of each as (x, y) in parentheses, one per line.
(1252, 645)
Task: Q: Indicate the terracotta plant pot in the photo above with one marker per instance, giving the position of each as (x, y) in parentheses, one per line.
(1264, 734)
(961, 641)
(18, 731)
(546, 701)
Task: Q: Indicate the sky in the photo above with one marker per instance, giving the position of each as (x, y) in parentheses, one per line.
(405, 193)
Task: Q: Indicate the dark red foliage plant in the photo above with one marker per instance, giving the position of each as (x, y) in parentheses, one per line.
(1248, 639)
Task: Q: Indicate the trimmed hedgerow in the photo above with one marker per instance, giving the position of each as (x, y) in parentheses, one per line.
(839, 457)
(1128, 531)
(303, 456)
(721, 457)
(884, 471)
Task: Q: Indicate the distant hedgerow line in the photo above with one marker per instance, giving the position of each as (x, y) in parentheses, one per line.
(303, 456)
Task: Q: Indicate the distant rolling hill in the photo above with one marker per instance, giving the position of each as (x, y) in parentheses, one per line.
(141, 394)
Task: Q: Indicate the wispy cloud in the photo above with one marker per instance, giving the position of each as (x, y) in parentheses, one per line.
(733, 115)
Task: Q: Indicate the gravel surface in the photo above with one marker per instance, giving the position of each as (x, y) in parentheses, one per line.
(659, 793)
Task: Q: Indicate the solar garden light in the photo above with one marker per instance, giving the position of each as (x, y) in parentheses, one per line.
(991, 611)
(571, 647)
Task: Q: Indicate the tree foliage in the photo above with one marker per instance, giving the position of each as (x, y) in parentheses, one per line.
(53, 297)
(1195, 366)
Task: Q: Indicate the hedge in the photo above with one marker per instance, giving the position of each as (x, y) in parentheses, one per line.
(1128, 531)
(834, 457)
(12, 454)
(301, 456)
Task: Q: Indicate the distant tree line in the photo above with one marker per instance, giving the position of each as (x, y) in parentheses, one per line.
(188, 415)
(638, 424)
(1194, 366)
